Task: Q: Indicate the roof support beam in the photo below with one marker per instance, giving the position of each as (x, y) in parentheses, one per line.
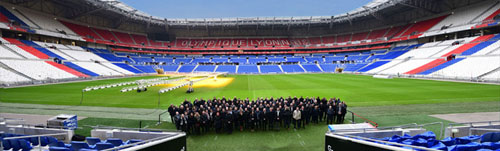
(419, 4)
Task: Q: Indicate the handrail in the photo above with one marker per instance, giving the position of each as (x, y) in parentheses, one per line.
(485, 129)
(369, 121)
(136, 129)
(159, 116)
(30, 136)
(137, 143)
(470, 123)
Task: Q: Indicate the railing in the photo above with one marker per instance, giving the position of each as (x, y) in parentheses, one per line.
(483, 129)
(471, 123)
(365, 119)
(166, 138)
(159, 116)
(31, 136)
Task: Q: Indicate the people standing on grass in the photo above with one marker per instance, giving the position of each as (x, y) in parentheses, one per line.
(266, 114)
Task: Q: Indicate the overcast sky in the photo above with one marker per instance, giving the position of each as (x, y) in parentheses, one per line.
(244, 8)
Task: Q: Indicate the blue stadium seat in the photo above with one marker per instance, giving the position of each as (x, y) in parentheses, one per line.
(292, 68)
(226, 68)
(25, 145)
(14, 143)
(490, 137)
(186, 68)
(44, 141)
(311, 68)
(102, 145)
(115, 141)
(248, 69)
(205, 68)
(92, 140)
(6, 144)
(77, 145)
(491, 145)
(270, 69)
(34, 141)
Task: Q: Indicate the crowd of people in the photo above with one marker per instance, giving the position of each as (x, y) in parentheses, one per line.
(227, 115)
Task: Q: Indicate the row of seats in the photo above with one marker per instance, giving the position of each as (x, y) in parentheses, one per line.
(26, 144)
(486, 142)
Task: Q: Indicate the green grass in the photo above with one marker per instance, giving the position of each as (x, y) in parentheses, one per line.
(356, 90)
(388, 102)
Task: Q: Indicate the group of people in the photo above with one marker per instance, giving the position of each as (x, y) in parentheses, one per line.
(226, 115)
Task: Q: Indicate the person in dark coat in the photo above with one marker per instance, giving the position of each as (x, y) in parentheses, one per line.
(343, 112)
(321, 111)
(271, 118)
(330, 115)
(303, 121)
(339, 113)
(191, 123)
(264, 120)
(218, 122)
(229, 122)
(204, 122)
(183, 122)
(307, 114)
(171, 112)
(240, 120)
(246, 118)
(253, 120)
(315, 114)
(177, 119)
(286, 117)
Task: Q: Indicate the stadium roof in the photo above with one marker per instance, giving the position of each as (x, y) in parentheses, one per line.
(127, 10)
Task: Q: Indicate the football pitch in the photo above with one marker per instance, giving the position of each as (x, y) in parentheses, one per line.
(388, 102)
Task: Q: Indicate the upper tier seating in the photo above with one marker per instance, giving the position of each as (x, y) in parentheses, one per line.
(81, 30)
(461, 18)
(44, 24)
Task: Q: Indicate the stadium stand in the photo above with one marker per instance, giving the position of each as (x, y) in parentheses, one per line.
(270, 69)
(226, 68)
(248, 69)
(292, 68)
(39, 70)
(431, 58)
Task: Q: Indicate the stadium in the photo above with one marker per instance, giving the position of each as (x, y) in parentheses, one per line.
(389, 75)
